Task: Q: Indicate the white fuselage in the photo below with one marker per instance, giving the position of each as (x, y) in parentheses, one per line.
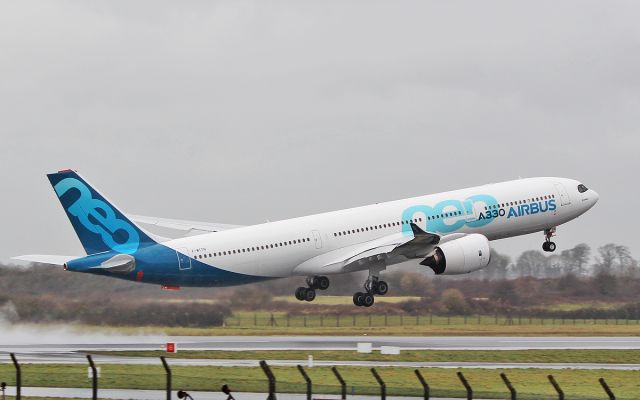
(283, 248)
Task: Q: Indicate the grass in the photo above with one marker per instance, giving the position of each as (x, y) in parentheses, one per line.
(260, 324)
(530, 383)
(501, 356)
(277, 323)
(598, 305)
(421, 330)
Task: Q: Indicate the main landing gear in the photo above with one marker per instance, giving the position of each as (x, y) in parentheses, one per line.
(548, 245)
(372, 287)
(313, 283)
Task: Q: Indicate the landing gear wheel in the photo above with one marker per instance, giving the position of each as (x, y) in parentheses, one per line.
(357, 298)
(323, 283)
(549, 247)
(382, 288)
(300, 293)
(367, 300)
(309, 295)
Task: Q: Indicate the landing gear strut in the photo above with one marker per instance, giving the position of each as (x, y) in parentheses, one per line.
(548, 245)
(313, 282)
(372, 287)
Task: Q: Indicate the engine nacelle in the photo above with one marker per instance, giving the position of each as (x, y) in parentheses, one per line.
(460, 256)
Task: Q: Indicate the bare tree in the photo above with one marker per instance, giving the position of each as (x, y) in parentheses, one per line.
(531, 263)
(576, 260)
(606, 258)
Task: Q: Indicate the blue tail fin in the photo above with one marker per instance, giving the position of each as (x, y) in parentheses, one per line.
(100, 226)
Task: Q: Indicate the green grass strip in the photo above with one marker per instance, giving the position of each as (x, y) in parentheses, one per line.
(500, 356)
(530, 383)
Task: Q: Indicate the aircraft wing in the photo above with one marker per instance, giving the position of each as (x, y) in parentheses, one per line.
(182, 225)
(45, 259)
(398, 246)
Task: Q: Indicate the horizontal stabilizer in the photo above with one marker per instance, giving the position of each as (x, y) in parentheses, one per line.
(46, 259)
(183, 225)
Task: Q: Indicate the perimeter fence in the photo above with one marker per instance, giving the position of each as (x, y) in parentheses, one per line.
(327, 381)
(265, 319)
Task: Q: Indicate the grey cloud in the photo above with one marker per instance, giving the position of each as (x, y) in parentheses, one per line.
(242, 111)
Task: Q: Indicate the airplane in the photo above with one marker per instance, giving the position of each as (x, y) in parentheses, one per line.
(447, 232)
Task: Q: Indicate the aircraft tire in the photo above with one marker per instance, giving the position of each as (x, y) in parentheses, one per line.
(310, 295)
(382, 288)
(551, 247)
(357, 298)
(300, 293)
(368, 300)
(323, 283)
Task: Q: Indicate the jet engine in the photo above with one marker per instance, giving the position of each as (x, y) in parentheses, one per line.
(460, 256)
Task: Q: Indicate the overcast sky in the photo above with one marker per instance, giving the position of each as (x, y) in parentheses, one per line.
(243, 111)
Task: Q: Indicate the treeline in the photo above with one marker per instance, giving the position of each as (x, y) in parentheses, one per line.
(42, 294)
(581, 260)
(116, 313)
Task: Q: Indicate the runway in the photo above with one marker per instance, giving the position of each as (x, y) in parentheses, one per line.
(70, 343)
(67, 350)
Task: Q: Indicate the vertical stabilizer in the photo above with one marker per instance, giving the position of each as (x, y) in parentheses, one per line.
(100, 226)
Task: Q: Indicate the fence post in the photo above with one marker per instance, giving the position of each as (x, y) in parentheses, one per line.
(94, 378)
(507, 382)
(307, 379)
(466, 385)
(607, 389)
(168, 371)
(556, 387)
(425, 385)
(383, 387)
(343, 384)
(18, 376)
(271, 378)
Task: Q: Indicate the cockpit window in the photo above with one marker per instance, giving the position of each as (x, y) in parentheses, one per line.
(582, 188)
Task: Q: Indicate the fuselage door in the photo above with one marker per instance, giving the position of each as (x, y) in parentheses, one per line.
(564, 196)
(184, 261)
(317, 239)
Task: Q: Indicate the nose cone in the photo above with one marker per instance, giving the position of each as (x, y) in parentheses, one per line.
(591, 198)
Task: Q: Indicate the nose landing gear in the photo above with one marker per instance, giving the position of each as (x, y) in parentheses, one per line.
(548, 245)
(313, 282)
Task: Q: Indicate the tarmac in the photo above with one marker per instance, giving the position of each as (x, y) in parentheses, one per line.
(70, 350)
(70, 343)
